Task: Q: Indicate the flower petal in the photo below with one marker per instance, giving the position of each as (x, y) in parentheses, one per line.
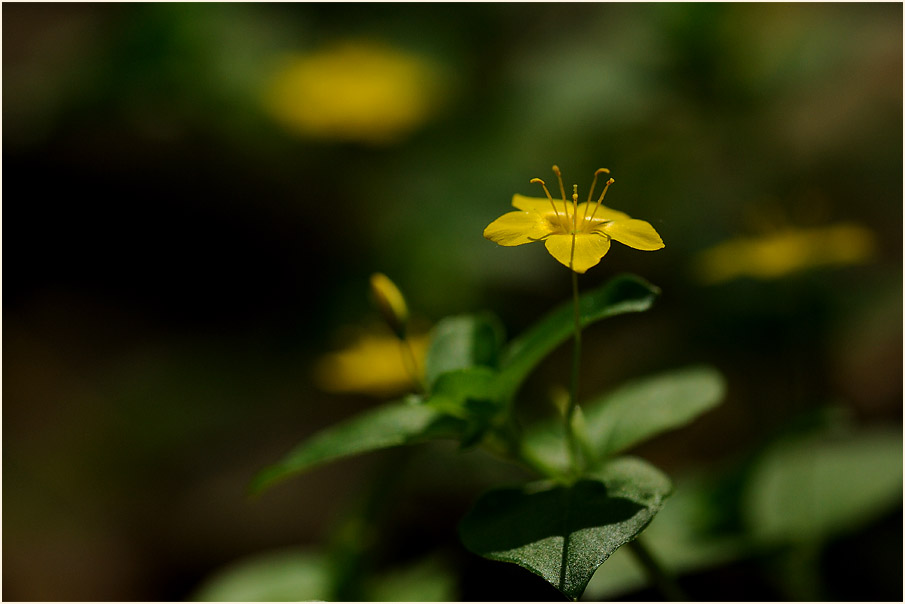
(602, 213)
(633, 233)
(541, 205)
(517, 228)
(589, 249)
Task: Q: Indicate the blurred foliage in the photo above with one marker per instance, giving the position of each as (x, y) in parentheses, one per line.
(182, 257)
(793, 495)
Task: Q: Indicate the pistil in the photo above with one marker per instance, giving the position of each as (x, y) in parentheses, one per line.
(574, 209)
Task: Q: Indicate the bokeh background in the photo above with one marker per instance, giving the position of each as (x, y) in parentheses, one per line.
(196, 194)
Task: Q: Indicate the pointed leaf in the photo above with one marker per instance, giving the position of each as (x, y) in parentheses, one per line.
(391, 425)
(819, 486)
(634, 412)
(461, 342)
(622, 294)
(564, 533)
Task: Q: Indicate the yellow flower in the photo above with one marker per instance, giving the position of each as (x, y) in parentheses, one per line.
(578, 235)
(355, 91)
(372, 364)
(787, 251)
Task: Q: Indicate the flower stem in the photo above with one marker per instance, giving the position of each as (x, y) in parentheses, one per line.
(411, 363)
(569, 416)
(664, 581)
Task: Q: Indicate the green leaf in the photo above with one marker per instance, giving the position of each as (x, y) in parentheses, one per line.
(390, 425)
(453, 389)
(633, 413)
(461, 342)
(817, 487)
(427, 580)
(298, 575)
(468, 395)
(282, 576)
(644, 408)
(622, 294)
(564, 533)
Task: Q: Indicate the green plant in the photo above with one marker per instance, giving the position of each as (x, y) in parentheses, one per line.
(589, 500)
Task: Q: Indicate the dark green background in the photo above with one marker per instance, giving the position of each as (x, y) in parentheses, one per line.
(175, 261)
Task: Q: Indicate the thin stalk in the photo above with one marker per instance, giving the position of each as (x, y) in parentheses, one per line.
(569, 416)
(411, 363)
(664, 581)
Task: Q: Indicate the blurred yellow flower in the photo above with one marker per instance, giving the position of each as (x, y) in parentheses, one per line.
(577, 235)
(391, 303)
(354, 91)
(372, 364)
(786, 251)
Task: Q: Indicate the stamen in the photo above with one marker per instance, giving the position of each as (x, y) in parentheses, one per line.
(559, 177)
(594, 182)
(593, 186)
(608, 183)
(562, 190)
(555, 211)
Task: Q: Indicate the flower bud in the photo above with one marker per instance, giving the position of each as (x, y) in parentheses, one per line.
(391, 303)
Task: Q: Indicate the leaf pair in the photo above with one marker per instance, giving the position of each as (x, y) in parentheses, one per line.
(561, 532)
(471, 376)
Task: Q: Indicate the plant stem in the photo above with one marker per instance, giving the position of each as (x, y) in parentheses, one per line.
(573, 388)
(361, 531)
(411, 363)
(664, 581)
